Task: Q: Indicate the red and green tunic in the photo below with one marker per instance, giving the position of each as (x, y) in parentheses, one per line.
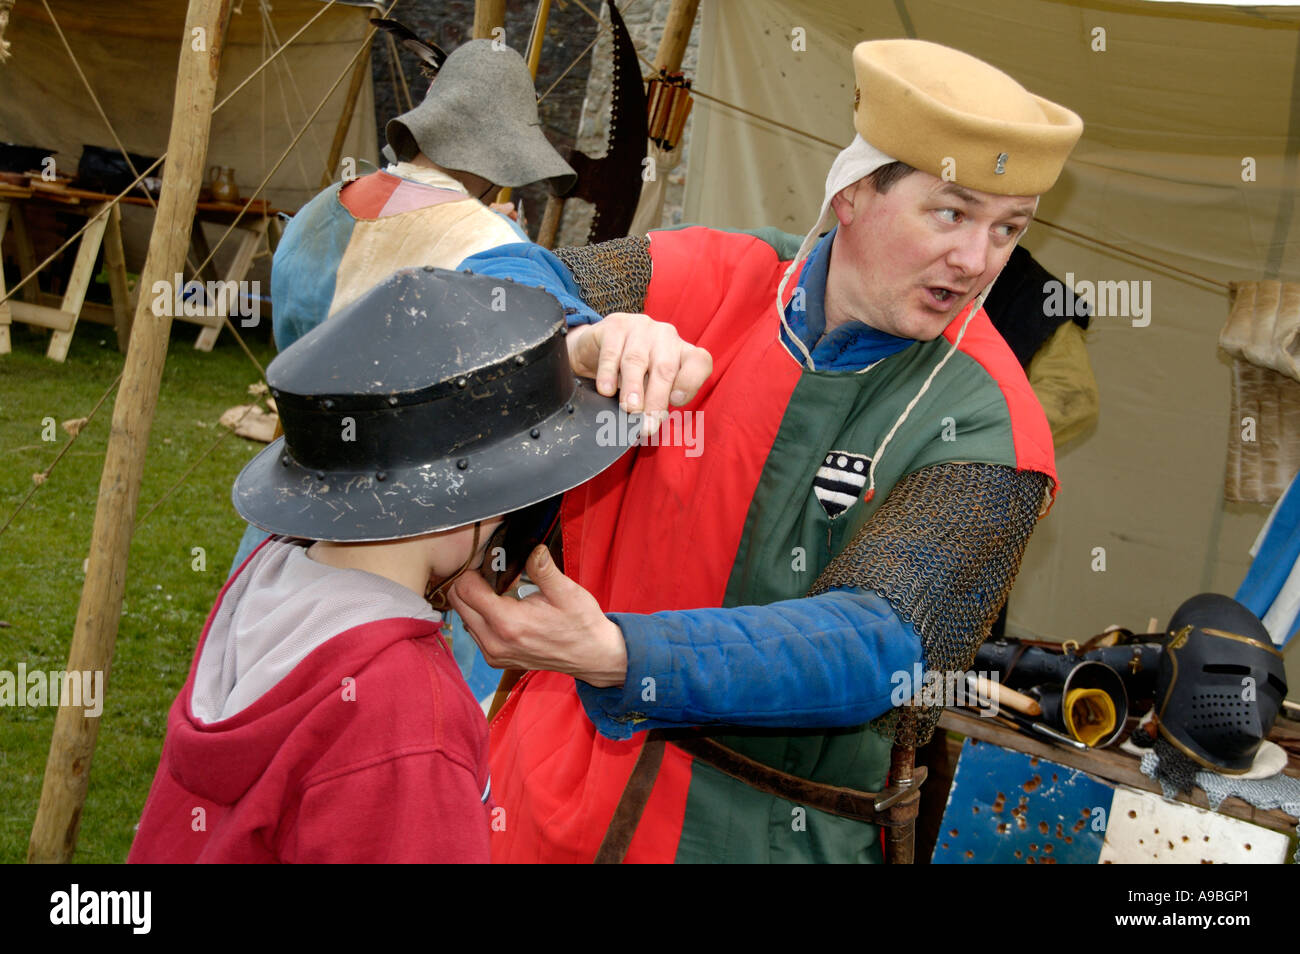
(741, 524)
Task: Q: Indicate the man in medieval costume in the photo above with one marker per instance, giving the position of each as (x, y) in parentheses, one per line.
(873, 464)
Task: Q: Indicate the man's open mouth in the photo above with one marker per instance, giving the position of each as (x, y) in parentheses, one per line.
(943, 296)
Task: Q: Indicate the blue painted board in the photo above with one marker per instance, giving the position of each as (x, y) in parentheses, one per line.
(1007, 807)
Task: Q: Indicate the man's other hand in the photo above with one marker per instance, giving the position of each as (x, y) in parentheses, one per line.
(561, 628)
(643, 360)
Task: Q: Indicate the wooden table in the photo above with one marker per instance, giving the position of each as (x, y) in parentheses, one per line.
(62, 318)
(62, 313)
(1110, 765)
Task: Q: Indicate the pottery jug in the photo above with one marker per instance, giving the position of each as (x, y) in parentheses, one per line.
(221, 181)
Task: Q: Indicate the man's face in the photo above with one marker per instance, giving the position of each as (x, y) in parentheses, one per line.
(908, 261)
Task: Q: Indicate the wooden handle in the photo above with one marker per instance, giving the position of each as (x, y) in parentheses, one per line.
(988, 689)
(549, 230)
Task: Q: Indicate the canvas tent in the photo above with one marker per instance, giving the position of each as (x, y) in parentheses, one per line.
(186, 130)
(129, 53)
(1175, 98)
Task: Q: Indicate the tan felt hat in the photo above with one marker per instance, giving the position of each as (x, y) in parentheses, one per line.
(958, 118)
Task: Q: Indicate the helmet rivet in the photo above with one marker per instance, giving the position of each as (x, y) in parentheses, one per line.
(327, 404)
(320, 475)
(275, 394)
(519, 359)
(564, 331)
(461, 382)
(392, 400)
(381, 475)
(284, 460)
(428, 268)
(534, 433)
(569, 408)
(462, 463)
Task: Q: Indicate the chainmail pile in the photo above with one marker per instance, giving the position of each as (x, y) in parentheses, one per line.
(611, 276)
(1176, 774)
(943, 549)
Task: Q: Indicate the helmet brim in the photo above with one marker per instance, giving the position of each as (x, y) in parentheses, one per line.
(277, 494)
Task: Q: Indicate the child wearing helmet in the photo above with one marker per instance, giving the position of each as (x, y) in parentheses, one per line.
(324, 719)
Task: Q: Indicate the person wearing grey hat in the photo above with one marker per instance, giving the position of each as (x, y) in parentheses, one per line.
(476, 129)
(480, 117)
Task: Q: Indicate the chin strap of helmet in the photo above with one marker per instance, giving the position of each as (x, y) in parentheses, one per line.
(436, 596)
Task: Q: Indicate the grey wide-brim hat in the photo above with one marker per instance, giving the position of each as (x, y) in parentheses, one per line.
(435, 400)
(480, 116)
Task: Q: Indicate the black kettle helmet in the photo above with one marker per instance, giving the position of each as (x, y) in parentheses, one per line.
(1221, 683)
(435, 400)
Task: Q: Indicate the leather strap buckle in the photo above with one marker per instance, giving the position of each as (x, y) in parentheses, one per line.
(902, 793)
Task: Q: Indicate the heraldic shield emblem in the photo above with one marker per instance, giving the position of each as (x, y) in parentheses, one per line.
(840, 480)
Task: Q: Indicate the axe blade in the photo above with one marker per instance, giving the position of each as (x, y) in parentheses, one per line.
(613, 183)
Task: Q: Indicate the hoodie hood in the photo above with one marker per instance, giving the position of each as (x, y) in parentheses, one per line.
(283, 636)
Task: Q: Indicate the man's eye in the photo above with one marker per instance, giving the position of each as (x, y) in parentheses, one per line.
(951, 216)
(1009, 231)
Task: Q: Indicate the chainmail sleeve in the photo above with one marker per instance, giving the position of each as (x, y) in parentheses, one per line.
(612, 276)
(943, 549)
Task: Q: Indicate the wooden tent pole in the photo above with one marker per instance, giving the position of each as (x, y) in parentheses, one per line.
(668, 60)
(677, 33)
(67, 770)
(359, 74)
(539, 32)
(487, 15)
(535, 40)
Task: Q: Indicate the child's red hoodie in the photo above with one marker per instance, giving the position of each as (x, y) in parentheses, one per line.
(323, 720)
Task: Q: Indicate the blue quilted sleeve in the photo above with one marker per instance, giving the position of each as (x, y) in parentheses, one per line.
(530, 264)
(838, 659)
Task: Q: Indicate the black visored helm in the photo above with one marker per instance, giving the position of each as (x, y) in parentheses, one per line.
(1221, 683)
(435, 400)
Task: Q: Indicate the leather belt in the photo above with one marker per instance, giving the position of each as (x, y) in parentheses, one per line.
(873, 807)
(895, 807)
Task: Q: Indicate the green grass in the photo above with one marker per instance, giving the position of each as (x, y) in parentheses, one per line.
(42, 552)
